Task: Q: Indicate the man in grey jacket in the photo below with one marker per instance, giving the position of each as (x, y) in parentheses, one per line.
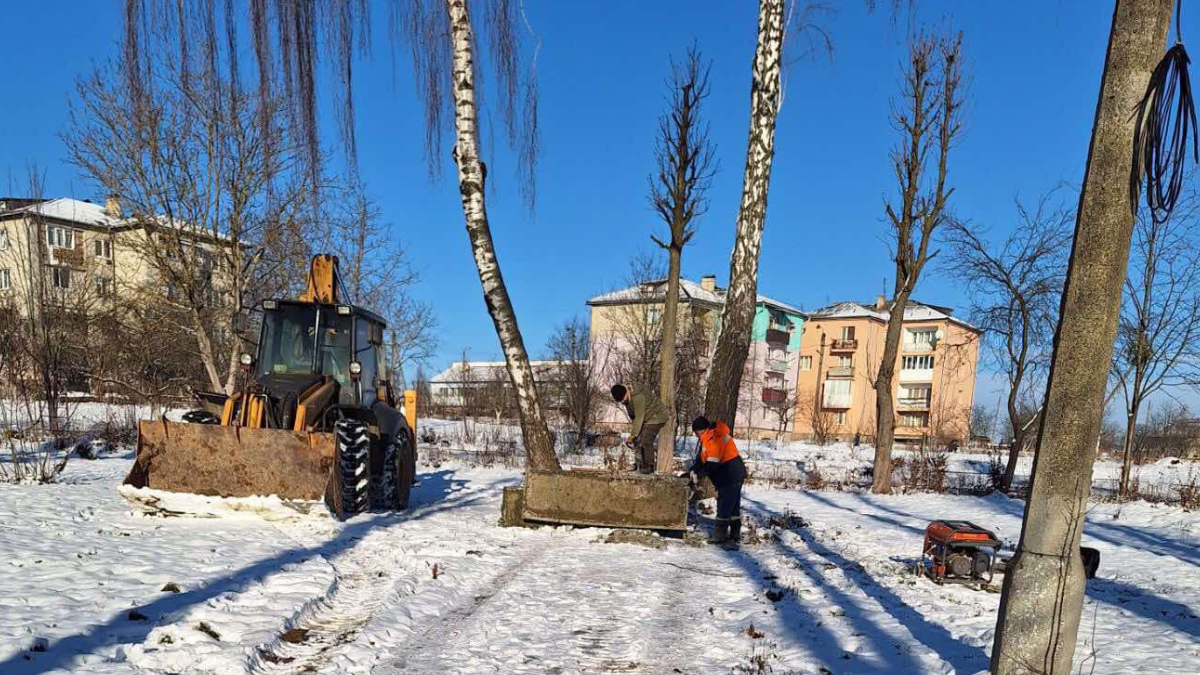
(648, 415)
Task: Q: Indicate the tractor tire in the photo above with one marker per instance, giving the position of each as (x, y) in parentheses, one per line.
(407, 470)
(394, 484)
(350, 482)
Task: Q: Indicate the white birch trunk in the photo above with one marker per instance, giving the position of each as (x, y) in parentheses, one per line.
(725, 378)
(538, 447)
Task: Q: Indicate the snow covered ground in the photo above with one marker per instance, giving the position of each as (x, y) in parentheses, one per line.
(96, 585)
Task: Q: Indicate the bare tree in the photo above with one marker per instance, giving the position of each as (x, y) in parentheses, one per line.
(1015, 286)
(685, 165)
(202, 182)
(733, 342)
(1038, 623)
(928, 117)
(581, 387)
(822, 422)
(1158, 338)
(982, 423)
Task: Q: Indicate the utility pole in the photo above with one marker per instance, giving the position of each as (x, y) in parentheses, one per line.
(820, 387)
(1038, 622)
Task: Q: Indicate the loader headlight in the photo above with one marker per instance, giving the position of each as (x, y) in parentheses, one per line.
(355, 369)
(344, 310)
(246, 360)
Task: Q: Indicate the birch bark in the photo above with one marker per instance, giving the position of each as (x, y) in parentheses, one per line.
(471, 175)
(733, 342)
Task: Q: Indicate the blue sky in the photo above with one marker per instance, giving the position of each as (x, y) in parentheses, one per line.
(1034, 69)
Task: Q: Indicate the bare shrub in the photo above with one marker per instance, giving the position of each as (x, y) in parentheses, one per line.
(923, 471)
(814, 479)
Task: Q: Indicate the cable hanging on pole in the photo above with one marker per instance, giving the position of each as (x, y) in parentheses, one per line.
(1166, 116)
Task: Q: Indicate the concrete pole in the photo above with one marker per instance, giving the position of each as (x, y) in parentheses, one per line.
(1038, 622)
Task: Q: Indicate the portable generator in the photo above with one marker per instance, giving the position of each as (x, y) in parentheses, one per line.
(958, 552)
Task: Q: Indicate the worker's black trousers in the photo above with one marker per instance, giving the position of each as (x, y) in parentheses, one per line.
(646, 444)
(728, 479)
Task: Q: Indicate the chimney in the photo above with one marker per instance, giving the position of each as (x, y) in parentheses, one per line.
(708, 282)
(112, 206)
(881, 302)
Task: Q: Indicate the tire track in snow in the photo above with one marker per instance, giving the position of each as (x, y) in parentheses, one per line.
(618, 621)
(363, 580)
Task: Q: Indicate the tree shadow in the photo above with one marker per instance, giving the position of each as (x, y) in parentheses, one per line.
(1119, 594)
(437, 492)
(891, 651)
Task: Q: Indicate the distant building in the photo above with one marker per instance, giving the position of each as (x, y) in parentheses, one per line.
(934, 382)
(626, 338)
(483, 388)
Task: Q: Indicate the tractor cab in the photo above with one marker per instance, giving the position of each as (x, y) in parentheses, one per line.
(301, 343)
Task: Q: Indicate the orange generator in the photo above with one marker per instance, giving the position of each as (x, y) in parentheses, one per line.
(958, 552)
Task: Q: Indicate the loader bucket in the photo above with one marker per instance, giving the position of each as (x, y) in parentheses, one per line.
(231, 461)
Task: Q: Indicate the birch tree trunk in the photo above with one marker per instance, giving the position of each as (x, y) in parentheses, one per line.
(1038, 622)
(471, 175)
(733, 343)
(666, 381)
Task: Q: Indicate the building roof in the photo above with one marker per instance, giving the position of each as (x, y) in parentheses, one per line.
(483, 371)
(913, 311)
(689, 291)
(71, 210)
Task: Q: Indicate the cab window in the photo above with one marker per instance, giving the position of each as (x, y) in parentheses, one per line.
(366, 353)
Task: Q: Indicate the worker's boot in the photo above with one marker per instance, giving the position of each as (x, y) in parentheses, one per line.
(734, 541)
(720, 532)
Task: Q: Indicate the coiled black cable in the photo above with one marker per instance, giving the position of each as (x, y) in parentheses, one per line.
(1166, 116)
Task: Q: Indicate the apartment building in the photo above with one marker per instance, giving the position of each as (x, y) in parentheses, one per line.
(481, 388)
(80, 255)
(934, 383)
(626, 331)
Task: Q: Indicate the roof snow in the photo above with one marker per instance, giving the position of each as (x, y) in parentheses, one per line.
(913, 311)
(72, 210)
(483, 371)
(688, 291)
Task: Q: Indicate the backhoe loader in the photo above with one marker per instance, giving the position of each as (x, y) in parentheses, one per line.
(315, 418)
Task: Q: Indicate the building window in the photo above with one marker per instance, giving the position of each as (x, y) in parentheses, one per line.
(922, 337)
(912, 420)
(839, 417)
(653, 315)
(847, 332)
(5, 280)
(845, 361)
(917, 363)
(3, 240)
(805, 363)
(775, 354)
(102, 248)
(103, 286)
(60, 237)
(60, 277)
(915, 392)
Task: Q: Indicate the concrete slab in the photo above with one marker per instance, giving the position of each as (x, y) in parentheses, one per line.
(602, 499)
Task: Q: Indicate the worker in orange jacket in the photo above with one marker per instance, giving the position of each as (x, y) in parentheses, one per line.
(719, 460)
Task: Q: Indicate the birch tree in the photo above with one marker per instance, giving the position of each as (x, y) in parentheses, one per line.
(1158, 337)
(685, 165)
(1037, 626)
(733, 342)
(928, 116)
(1015, 285)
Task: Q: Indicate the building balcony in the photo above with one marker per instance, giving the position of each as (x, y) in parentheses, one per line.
(836, 401)
(916, 375)
(843, 345)
(777, 365)
(772, 396)
(841, 371)
(916, 347)
(912, 404)
(777, 337)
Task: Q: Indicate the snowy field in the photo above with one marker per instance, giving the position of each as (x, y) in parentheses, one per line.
(96, 585)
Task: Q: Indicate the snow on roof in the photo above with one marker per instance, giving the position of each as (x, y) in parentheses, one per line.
(484, 370)
(72, 210)
(689, 290)
(913, 311)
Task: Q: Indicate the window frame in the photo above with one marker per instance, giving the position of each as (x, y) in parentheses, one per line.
(5, 279)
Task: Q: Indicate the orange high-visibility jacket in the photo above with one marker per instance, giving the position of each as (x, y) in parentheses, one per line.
(717, 446)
